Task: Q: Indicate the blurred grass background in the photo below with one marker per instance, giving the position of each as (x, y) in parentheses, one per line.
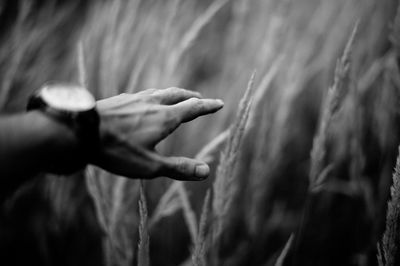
(213, 47)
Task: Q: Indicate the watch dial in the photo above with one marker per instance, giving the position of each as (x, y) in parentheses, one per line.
(68, 97)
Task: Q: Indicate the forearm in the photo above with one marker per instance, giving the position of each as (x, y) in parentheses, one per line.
(30, 143)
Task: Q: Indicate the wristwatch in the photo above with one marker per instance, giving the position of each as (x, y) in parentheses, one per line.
(74, 106)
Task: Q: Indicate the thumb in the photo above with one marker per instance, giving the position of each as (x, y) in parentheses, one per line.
(182, 168)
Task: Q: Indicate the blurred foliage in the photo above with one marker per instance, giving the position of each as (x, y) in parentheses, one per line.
(213, 47)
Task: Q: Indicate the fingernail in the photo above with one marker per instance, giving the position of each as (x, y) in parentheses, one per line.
(219, 101)
(202, 171)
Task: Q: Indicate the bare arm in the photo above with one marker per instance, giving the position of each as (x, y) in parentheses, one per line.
(29, 143)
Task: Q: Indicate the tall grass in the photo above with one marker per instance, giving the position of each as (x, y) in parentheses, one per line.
(260, 159)
(198, 256)
(285, 250)
(334, 99)
(225, 185)
(390, 238)
(143, 246)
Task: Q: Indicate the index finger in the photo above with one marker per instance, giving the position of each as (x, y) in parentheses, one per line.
(174, 95)
(194, 107)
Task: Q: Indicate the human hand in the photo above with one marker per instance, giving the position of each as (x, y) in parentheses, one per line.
(133, 124)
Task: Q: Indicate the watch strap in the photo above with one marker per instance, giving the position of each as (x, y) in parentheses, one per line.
(84, 124)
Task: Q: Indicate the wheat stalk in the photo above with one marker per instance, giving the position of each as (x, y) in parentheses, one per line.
(395, 34)
(193, 32)
(144, 239)
(206, 153)
(117, 203)
(198, 254)
(391, 236)
(285, 250)
(98, 197)
(336, 94)
(189, 215)
(169, 202)
(260, 125)
(81, 66)
(11, 72)
(225, 184)
(379, 255)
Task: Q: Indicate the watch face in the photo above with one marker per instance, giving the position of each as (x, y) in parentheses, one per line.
(68, 97)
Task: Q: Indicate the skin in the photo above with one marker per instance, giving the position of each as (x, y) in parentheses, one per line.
(133, 124)
(130, 128)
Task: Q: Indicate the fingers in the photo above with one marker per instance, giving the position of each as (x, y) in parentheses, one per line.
(174, 95)
(149, 164)
(134, 161)
(182, 168)
(147, 91)
(193, 108)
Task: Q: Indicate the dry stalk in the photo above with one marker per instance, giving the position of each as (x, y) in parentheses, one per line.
(333, 101)
(265, 85)
(101, 203)
(391, 237)
(395, 35)
(198, 254)
(225, 184)
(379, 255)
(188, 213)
(285, 250)
(169, 202)
(25, 8)
(144, 239)
(260, 125)
(81, 66)
(207, 152)
(117, 204)
(98, 197)
(193, 32)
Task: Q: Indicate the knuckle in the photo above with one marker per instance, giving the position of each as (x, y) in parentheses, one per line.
(152, 95)
(181, 166)
(194, 101)
(151, 90)
(197, 103)
(151, 99)
(172, 89)
(147, 91)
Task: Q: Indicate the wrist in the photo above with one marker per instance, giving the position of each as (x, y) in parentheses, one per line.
(60, 145)
(105, 138)
(74, 122)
